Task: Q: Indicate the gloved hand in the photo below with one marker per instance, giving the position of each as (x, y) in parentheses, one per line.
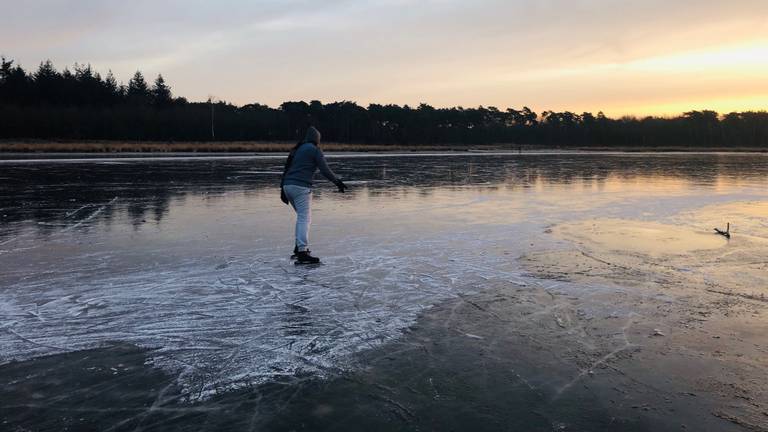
(340, 184)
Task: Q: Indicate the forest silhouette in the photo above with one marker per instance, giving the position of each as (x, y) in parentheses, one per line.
(80, 104)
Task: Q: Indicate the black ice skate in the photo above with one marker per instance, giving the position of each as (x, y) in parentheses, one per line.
(304, 257)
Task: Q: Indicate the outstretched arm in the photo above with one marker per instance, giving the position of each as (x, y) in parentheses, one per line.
(320, 159)
(323, 166)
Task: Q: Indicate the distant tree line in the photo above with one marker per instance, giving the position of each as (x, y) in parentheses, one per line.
(80, 104)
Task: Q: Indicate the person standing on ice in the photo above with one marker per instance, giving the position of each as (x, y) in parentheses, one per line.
(296, 188)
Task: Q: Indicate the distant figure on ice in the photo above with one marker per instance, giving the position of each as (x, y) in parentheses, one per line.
(296, 188)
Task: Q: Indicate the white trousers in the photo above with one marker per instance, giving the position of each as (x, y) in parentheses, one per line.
(300, 198)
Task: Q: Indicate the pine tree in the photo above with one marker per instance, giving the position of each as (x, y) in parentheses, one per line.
(138, 91)
(161, 93)
(47, 83)
(112, 91)
(15, 84)
(89, 85)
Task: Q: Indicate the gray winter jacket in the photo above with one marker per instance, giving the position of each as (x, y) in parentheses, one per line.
(307, 159)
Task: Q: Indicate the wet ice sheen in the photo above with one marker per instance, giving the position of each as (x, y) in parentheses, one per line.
(189, 257)
(651, 238)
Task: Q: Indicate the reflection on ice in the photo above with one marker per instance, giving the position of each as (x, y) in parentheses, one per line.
(189, 258)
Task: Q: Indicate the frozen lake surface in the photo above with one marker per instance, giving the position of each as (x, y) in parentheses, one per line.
(188, 258)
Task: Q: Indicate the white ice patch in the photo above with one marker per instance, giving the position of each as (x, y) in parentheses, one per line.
(248, 320)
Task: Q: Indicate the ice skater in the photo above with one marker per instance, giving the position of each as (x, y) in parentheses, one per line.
(296, 188)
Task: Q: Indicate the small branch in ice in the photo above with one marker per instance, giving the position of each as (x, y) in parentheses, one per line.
(726, 233)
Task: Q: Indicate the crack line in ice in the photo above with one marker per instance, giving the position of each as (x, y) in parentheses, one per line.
(601, 360)
(26, 339)
(73, 212)
(91, 216)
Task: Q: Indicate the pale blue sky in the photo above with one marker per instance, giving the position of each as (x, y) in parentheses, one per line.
(619, 56)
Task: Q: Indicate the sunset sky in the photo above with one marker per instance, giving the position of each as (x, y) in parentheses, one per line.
(622, 57)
